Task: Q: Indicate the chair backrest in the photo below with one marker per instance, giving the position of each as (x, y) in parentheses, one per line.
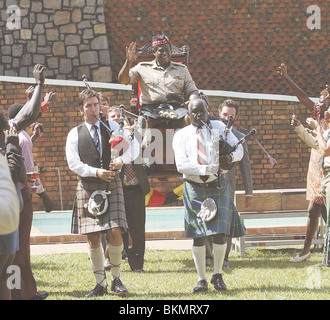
(179, 55)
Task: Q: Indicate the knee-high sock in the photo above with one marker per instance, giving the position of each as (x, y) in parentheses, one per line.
(199, 259)
(219, 251)
(96, 257)
(115, 255)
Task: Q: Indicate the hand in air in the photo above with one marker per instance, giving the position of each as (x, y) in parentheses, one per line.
(131, 54)
(51, 97)
(39, 73)
(282, 70)
(295, 122)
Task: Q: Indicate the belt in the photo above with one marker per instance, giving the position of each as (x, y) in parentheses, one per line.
(212, 184)
(132, 186)
(94, 185)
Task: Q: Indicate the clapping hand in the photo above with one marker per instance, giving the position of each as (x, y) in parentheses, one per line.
(311, 122)
(38, 130)
(51, 97)
(295, 122)
(29, 92)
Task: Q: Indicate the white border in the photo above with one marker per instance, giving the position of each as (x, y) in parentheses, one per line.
(116, 86)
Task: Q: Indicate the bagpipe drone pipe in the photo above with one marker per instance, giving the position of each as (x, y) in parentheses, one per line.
(223, 149)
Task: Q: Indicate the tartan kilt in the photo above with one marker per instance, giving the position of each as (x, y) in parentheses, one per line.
(83, 222)
(227, 220)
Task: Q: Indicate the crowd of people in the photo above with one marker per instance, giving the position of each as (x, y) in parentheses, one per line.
(19, 129)
(109, 205)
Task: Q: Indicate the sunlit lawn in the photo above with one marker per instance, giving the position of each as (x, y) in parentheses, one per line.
(260, 274)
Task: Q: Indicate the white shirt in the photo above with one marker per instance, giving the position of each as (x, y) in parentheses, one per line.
(312, 141)
(185, 150)
(306, 136)
(326, 160)
(9, 204)
(83, 169)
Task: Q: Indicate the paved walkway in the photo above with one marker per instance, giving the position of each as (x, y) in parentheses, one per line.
(41, 249)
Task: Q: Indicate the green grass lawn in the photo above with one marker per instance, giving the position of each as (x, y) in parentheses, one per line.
(260, 274)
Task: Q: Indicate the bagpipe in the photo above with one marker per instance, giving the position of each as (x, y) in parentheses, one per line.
(98, 201)
(117, 141)
(223, 148)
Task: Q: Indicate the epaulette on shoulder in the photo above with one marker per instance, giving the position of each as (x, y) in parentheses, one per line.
(149, 63)
(178, 64)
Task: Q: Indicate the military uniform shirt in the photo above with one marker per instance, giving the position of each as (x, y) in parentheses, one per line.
(156, 82)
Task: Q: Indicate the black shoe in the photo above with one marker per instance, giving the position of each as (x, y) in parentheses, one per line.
(218, 282)
(201, 286)
(98, 291)
(118, 287)
(40, 296)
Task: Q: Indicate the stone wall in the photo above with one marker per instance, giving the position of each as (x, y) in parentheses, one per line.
(67, 36)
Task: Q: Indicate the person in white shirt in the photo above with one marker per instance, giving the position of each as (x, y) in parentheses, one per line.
(227, 109)
(201, 193)
(89, 155)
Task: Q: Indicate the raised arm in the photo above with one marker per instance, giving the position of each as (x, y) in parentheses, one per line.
(298, 92)
(131, 56)
(31, 110)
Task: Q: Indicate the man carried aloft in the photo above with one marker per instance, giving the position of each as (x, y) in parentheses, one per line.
(162, 81)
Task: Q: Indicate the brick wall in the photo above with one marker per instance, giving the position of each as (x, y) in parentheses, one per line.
(49, 150)
(235, 45)
(269, 117)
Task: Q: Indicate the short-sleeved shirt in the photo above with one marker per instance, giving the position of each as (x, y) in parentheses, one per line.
(156, 82)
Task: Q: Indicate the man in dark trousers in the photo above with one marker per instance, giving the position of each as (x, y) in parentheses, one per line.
(136, 187)
(227, 108)
(22, 118)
